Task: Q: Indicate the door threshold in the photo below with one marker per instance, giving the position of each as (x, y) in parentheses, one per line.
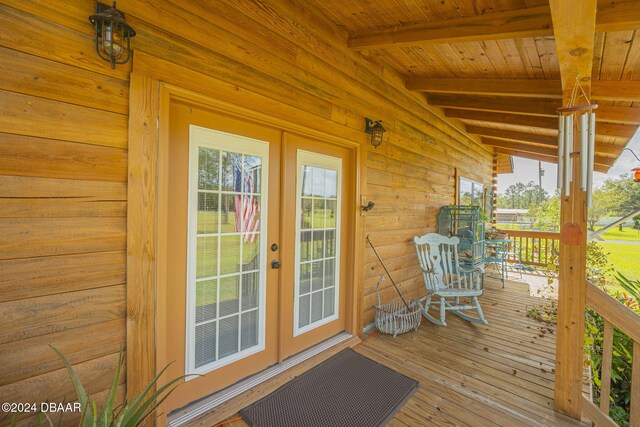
(194, 410)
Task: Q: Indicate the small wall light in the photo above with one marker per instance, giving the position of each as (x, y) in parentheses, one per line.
(374, 127)
(113, 34)
(368, 206)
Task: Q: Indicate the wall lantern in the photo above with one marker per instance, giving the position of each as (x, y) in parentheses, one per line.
(374, 127)
(113, 34)
(636, 171)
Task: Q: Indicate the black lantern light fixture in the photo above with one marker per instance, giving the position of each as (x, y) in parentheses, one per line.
(113, 34)
(375, 129)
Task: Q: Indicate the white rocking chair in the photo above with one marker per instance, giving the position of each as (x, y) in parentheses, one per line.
(445, 279)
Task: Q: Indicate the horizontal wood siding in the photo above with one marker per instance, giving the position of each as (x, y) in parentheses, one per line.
(63, 158)
(63, 184)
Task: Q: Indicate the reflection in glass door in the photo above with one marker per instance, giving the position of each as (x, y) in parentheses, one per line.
(317, 236)
(226, 252)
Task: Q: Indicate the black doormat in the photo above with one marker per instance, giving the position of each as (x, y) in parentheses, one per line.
(346, 390)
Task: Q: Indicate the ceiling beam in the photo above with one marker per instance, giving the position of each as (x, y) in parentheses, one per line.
(536, 106)
(498, 117)
(526, 154)
(546, 151)
(606, 154)
(607, 90)
(625, 115)
(615, 130)
(529, 106)
(533, 22)
(542, 157)
(600, 89)
(574, 32)
(499, 87)
(514, 136)
(602, 129)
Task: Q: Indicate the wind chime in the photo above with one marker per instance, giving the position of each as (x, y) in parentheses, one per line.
(582, 119)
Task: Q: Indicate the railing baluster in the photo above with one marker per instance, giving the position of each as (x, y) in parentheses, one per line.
(605, 375)
(617, 316)
(534, 247)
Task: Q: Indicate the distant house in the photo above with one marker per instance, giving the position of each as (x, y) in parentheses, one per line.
(512, 216)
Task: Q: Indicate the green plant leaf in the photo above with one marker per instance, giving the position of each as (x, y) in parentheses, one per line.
(80, 391)
(142, 406)
(106, 416)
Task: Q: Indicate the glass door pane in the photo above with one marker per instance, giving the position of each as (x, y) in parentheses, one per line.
(318, 234)
(226, 248)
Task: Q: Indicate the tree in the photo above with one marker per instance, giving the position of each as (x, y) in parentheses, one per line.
(522, 196)
(602, 203)
(626, 194)
(546, 215)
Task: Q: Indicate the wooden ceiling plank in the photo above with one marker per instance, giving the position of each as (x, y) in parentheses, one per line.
(614, 54)
(529, 54)
(617, 16)
(512, 24)
(546, 50)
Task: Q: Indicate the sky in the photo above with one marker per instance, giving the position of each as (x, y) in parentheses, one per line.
(527, 170)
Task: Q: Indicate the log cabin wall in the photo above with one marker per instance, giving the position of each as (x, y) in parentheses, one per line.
(63, 160)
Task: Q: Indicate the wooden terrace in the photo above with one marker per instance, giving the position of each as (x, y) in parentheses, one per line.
(469, 374)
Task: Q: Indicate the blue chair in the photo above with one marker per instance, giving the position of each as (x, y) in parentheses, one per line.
(496, 256)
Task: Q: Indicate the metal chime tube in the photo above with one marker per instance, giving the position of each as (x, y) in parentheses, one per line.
(584, 151)
(568, 145)
(560, 151)
(592, 149)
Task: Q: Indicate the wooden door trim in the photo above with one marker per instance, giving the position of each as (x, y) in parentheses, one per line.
(141, 223)
(148, 133)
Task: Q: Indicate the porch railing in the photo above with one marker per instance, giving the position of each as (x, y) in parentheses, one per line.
(615, 315)
(535, 248)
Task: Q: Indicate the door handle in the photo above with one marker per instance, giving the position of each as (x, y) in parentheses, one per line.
(275, 264)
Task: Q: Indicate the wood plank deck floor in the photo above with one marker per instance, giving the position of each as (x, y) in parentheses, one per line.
(476, 375)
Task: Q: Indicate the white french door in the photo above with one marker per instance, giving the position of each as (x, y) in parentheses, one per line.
(226, 258)
(317, 254)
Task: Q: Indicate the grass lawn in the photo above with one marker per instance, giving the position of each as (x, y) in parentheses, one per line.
(627, 233)
(625, 258)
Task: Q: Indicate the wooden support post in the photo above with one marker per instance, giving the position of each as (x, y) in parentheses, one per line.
(574, 30)
(494, 188)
